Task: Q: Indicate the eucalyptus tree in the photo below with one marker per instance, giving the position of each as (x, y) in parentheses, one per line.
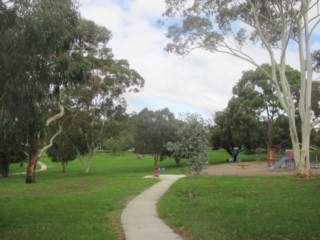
(228, 26)
(239, 124)
(37, 35)
(12, 143)
(215, 136)
(100, 99)
(265, 102)
(153, 129)
(11, 139)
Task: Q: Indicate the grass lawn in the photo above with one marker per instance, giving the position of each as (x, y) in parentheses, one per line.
(75, 205)
(244, 208)
(72, 205)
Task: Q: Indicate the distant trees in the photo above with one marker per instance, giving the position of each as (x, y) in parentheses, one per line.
(254, 116)
(153, 129)
(238, 127)
(316, 60)
(265, 104)
(62, 151)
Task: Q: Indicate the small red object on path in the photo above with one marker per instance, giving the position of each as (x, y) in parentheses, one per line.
(243, 165)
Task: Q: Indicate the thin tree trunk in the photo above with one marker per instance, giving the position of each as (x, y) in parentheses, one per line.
(4, 168)
(33, 153)
(270, 132)
(155, 160)
(63, 167)
(89, 160)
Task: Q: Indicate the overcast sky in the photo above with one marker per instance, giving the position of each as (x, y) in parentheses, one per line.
(200, 83)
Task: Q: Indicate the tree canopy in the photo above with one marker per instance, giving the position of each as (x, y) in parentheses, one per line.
(229, 26)
(153, 130)
(56, 66)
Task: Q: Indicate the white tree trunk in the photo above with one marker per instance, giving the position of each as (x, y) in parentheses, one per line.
(302, 161)
(89, 159)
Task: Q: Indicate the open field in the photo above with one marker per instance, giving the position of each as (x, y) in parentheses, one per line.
(75, 205)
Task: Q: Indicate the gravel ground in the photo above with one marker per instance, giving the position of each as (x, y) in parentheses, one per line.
(258, 168)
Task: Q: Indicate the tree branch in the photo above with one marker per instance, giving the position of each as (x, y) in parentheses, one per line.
(61, 113)
(45, 148)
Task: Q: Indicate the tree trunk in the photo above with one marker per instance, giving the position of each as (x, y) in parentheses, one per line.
(4, 167)
(63, 164)
(33, 155)
(155, 160)
(301, 154)
(89, 160)
(270, 132)
(303, 162)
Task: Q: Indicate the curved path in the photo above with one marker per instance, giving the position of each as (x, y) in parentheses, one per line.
(43, 167)
(140, 219)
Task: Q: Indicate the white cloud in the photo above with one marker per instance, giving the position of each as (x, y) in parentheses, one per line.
(201, 82)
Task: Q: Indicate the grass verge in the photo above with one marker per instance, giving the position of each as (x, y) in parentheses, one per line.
(227, 208)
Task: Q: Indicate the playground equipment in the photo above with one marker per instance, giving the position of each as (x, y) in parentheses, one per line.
(235, 153)
(288, 160)
(314, 163)
(270, 159)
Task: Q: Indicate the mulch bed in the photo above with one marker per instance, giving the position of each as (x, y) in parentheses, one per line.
(258, 168)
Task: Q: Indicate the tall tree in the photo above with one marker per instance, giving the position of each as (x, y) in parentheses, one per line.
(216, 26)
(34, 43)
(98, 101)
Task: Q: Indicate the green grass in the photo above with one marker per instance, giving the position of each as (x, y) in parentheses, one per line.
(244, 208)
(75, 205)
(72, 205)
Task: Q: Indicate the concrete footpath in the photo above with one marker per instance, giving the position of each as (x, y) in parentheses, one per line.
(140, 219)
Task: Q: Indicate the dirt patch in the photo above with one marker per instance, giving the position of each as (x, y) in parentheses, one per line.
(259, 168)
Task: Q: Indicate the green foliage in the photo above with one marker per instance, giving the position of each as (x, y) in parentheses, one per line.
(12, 143)
(34, 34)
(97, 104)
(316, 60)
(153, 130)
(227, 26)
(192, 144)
(254, 117)
(62, 150)
(209, 24)
(123, 142)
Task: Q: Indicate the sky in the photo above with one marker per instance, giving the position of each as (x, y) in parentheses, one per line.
(200, 82)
